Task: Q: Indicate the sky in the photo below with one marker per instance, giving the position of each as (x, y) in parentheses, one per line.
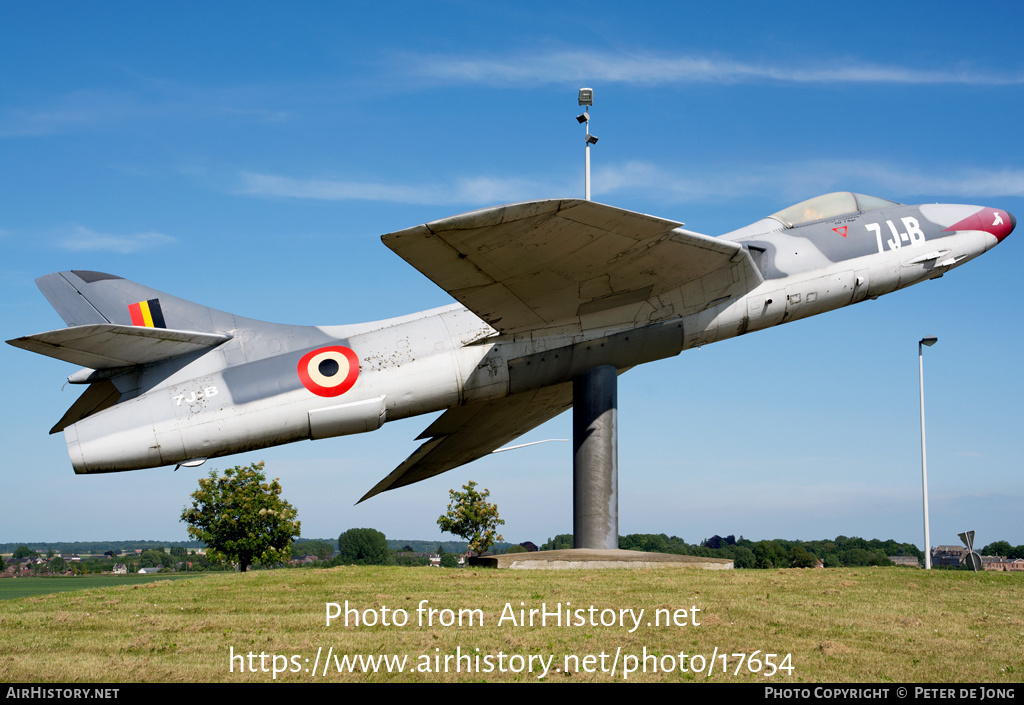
(248, 156)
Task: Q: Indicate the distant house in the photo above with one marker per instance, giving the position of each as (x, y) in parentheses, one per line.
(1002, 564)
(147, 571)
(949, 556)
(906, 560)
(120, 569)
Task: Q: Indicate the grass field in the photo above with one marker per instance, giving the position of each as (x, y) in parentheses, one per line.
(841, 625)
(11, 588)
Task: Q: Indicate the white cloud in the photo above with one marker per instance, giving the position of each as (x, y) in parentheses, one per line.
(84, 239)
(654, 69)
(474, 190)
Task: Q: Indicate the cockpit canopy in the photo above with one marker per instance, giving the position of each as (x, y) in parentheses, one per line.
(830, 205)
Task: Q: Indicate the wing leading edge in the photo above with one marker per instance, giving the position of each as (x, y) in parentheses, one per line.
(548, 263)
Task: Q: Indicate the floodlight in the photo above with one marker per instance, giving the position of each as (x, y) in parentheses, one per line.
(582, 118)
(591, 139)
(586, 96)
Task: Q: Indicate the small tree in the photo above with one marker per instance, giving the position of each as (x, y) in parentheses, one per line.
(472, 517)
(240, 516)
(363, 547)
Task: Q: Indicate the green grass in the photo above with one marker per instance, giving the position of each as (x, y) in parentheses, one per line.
(11, 588)
(842, 625)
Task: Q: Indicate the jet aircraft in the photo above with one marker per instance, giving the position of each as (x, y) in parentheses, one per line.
(546, 291)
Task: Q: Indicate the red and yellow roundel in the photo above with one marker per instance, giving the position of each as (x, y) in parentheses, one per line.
(329, 372)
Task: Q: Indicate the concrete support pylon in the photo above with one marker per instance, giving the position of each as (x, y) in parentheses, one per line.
(595, 466)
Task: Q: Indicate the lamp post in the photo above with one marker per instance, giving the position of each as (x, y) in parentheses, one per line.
(587, 99)
(928, 340)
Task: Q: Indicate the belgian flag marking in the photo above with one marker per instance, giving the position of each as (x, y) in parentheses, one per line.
(147, 314)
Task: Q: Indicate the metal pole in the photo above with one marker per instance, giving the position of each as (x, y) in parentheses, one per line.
(929, 341)
(587, 142)
(595, 522)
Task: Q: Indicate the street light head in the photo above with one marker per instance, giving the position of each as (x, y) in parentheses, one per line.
(582, 118)
(929, 340)
(586, 96)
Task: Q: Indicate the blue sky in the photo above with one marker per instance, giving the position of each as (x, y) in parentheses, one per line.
(249, 155)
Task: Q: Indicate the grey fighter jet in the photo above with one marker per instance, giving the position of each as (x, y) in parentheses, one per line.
(546, 290)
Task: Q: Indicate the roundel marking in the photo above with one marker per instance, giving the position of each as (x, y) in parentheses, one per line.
(329, 372)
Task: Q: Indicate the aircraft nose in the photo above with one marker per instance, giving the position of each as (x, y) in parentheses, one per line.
(994, 221)
(1013, 224)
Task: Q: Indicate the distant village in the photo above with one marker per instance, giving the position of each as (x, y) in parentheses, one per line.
(25, 561)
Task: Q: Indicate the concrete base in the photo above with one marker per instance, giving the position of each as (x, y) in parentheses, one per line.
(597, 559)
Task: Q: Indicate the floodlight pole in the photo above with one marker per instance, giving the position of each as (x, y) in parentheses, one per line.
(928, 340)
(587, 142)
(595, 464)
(586, 100)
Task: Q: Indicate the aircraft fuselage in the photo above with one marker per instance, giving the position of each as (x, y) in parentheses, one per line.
(437, 359)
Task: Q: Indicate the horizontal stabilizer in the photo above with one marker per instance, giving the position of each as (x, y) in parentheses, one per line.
(96, 398)
(101, 346)
(464, 433)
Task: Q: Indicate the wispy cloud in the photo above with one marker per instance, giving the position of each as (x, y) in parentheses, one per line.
(786, 182)
(83, 240)
(470, 190)
(654, 69)
(804, 179)
(89, 109)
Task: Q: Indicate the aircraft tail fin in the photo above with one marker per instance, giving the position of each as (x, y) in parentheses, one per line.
(83, 297)
(115, 323)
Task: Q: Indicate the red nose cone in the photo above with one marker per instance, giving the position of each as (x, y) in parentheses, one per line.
(990, 220)
(1013, 224)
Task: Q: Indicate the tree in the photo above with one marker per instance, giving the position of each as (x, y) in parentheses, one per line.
(151, 558)
(321, 549)
(363, 547)
(472, 517)
(449, 560)
(242, 517)
(558, 543)
(997, 548)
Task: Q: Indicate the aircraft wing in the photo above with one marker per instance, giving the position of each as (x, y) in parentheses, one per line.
(101, 346)
(545, 263)
(464, 433)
